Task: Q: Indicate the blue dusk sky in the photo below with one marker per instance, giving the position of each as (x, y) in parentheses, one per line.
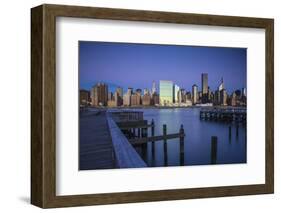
(137, 65)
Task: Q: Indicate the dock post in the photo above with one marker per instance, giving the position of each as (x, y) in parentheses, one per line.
(214, 145)
(144, 145)
(165, 145)
(139, 132)
(152, 143)
(181, 145)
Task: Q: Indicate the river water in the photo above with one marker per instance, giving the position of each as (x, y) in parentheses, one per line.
(197, 141)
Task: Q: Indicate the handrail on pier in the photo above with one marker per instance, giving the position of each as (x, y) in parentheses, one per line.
(125, 155)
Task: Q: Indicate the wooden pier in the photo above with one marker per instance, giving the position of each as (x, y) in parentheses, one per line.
(95, 144)
(111, 139)
(238, 115)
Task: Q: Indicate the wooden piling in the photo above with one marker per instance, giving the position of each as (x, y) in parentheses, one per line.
(181, 145)
(214, 141)
(165, 145)
(144, 145)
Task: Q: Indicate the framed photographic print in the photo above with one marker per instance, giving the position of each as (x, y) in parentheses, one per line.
(136, 106)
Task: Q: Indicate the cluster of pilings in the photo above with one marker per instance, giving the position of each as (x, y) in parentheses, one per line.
(139, 137)
(224, 115)
(135, 128)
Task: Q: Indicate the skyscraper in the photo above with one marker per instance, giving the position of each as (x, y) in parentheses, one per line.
(176, 93)
(221, 86)
(223, 97)
(194, 94)
(135, 99)
(99, 94)
(204, 82)
(243, 91)
(127, 97)
(166, 92)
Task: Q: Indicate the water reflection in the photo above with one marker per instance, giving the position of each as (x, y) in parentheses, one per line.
(205, 142)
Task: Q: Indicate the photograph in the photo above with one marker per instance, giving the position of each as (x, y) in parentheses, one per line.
(156, 105)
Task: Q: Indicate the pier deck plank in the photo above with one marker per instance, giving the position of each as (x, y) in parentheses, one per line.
(96, 151)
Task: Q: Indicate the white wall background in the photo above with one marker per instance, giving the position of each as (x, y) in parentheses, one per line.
(15, 105)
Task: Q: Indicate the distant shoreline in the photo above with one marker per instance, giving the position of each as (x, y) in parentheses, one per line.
(168, 107)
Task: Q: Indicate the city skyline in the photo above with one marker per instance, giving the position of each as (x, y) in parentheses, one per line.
(149, 62)
(169, 94)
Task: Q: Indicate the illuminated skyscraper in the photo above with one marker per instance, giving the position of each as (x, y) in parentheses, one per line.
(204, 82)
(221, 86)
(166, 92)
(194, 94)
(176, 93)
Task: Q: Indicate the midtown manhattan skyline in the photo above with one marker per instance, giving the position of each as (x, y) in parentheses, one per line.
(137, 65)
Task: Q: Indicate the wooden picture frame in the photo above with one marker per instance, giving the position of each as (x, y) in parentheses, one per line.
(43, 105)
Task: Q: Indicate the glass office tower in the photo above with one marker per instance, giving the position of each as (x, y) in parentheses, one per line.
(166, 92)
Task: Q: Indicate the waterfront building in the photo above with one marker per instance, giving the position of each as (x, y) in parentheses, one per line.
(166, 92)
(84, 97)
(204, 85)
(188, 102)
(188, 96)
(181, 95)
(99, 94)
(117, 98)
(135, 99)
(194, 94)
(232, 99)
(176, 93)
(111, 103)
(127, 97)
(110, 96)
(146, 100)
(199, 96)
(223, 97)
(155, 99)
(217, 97)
